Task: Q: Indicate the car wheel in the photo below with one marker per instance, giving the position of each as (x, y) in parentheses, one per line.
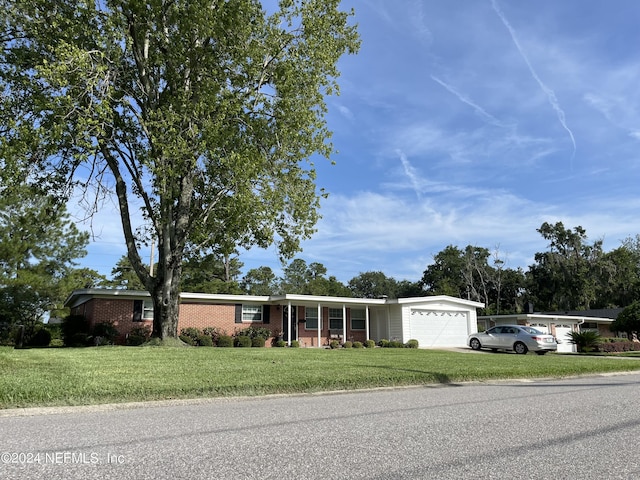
(475, 344)
(541, 352)
(520, 348)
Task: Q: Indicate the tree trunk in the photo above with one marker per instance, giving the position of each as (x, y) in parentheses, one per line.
(166, 308)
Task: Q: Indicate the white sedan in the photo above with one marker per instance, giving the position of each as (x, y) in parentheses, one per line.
(518, 338)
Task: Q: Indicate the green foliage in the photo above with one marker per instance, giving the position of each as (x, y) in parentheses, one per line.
(395, 344)
(295, 344)
(104, 333)
(334, 344)
(138, 336)
(255, 332)
(377, 284)
(303, 279)
(280, 343)
(209, 132)
(211, 273)
(205, 340)
(214, 333)
(370, 343)
(123, 276)
(38, 247)
(42, 338)
(75, 331)
(260, 281)
(190, 336)
(258, 342)
(347, 344)
(357, 345)
(564, 277)
(586, 341)
(225, 341)
(628, 320)
(383, 343)
(242, 341)
(412, 343)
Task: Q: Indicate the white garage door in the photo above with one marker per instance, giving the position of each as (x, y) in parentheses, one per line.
(564, 345)
(439, 328)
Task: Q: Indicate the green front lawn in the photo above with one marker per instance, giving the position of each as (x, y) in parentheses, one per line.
(69, 376)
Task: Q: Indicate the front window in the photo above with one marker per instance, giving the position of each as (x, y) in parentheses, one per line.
(252, 313)
(147, 310)
(358, 319)
(335, 319)
(311, 318)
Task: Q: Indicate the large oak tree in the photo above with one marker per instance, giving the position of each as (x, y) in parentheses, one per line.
(202, 114)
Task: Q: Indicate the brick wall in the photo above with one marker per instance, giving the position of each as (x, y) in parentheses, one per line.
(118, 311)
(202, 315)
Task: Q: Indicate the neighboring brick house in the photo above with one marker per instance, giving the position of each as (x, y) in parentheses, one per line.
(315, 320)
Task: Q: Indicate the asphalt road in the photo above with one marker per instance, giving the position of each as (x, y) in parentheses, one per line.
(584, 428)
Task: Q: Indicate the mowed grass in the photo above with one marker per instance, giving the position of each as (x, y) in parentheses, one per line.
(68, 376)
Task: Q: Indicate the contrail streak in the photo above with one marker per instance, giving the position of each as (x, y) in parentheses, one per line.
(410, 173)
(493, 120)
(553, 100)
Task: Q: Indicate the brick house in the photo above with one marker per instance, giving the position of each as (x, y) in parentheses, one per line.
(312, 320)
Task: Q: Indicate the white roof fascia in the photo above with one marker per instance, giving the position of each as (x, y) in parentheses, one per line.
(543, 316)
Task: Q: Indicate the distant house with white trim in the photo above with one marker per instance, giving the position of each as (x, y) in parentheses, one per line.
(556, 324)
(437, 321)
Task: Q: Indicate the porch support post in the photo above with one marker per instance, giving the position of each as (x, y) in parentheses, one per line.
(344, 323)
(289, 322)
(366, 322)
(319, 325)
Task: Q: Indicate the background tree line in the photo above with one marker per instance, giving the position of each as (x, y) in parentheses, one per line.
(572, 274)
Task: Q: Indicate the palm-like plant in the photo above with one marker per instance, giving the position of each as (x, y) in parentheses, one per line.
(586, 341)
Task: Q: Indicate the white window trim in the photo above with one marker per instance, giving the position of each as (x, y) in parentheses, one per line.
(245, 313)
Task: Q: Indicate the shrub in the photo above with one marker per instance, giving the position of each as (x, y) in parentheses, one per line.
(255, 332)
(242, 341)
(42, 338)
(370, 344)
(225, 341)
(190, 335)
(347, 344)
(383, 343)
(78, 340)
(618, 346)
(586, 341)
(295, 344)
(413, 343)
(205, 340)
(357, 345)
(104, 333)
(395, 344)
(281, 343)
(138, 336)
(334, 344)
(75, 331)
(258, 342)
(214, 333)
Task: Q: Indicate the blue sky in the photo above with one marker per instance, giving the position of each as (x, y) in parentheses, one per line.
(470, 122)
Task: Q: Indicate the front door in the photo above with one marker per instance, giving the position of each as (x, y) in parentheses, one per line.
(285, 323)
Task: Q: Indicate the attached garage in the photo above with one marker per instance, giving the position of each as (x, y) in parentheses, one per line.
(444, 328)
(438, 321)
